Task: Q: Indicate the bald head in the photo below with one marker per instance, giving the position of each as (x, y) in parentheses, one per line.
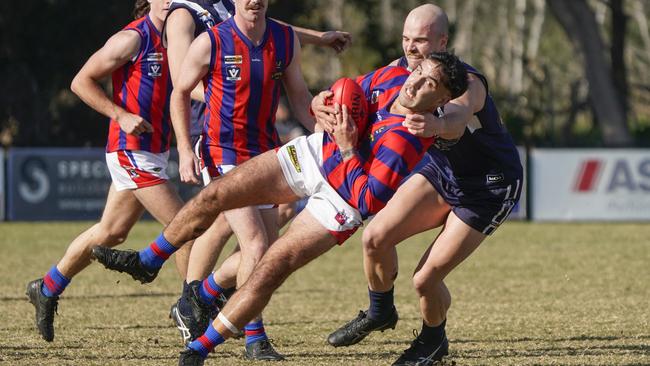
(425, 31)
(429, 16)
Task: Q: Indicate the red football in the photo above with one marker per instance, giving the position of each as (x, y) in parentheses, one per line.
(347, 92)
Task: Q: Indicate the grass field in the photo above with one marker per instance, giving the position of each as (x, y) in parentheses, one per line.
(533, 294)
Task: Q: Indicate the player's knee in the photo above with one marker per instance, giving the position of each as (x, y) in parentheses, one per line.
(374, 240)
(112, 236)
(425, 284)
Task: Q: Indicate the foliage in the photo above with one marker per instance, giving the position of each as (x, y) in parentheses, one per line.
(44, 43)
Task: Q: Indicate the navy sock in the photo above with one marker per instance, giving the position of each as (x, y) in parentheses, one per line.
(54, 283)
(381, 304)
(255, 332)
(184, 305)
(433, 335)
(157, 252)
(206, 343)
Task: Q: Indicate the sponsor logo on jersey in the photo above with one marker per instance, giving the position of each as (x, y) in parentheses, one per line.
(154, 56)
(341, 217)
(293, 155)
(233, 73)
(154, 70)
(233, 59)
(493, 178)
(278, 70)
(374, 97)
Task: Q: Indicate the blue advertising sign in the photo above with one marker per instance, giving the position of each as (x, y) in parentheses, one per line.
(63, 183)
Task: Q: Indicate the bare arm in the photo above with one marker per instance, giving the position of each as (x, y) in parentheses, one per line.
(180, 34)
(194, 67)
(337, 40)
(297, 91)
(458, 113)
(117, 51)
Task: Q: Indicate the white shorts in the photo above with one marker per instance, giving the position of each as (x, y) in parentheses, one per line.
(301, 160)
(133, 169)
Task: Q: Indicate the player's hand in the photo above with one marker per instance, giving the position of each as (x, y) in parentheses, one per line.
(133, 124)
(188, 167)
(345, 131)
(338, 40)
(422, 125)
(324, 114)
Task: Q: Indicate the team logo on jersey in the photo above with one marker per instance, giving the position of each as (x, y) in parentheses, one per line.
(293, 155)
(374, 97)
(278, 70)
(233, 59)
(233, 73)
(341, 217)
(154, 56)
(376, 132)
(155, 70)
(206, 18)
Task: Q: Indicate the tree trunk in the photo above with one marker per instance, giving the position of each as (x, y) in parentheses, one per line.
(535, 33)
(617, 51)
(517, 81)
(579, 22)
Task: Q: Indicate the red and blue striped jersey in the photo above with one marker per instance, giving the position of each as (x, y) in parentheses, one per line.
(242, 90)
(387, 153)
(143, 86)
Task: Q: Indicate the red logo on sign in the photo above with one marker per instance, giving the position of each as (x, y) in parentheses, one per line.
(588, 175)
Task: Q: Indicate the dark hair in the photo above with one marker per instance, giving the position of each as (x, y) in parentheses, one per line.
(140, 9)
(454, 70)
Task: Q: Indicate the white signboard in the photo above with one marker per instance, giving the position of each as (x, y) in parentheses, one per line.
(590, 184)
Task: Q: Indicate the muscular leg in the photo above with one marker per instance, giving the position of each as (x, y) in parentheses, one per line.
(258, 181)
(162, 202)
(206, 250)
(415, 207)
(121, 212)
(304, 241)
(455, 243)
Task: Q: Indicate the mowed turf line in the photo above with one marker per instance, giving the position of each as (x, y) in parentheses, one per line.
(533, 294)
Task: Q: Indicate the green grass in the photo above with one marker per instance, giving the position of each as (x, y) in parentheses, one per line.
(533, 294)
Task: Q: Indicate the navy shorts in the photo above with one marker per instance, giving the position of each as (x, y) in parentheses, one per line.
(481, 205)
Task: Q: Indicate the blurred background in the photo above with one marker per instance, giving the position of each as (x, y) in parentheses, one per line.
(564, 74)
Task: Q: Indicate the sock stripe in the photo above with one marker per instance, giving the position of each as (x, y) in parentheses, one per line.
(159, 252)
(209, 289)
(254, 332)
(54, 282)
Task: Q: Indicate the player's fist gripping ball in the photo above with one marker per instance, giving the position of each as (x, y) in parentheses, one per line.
(348, 93)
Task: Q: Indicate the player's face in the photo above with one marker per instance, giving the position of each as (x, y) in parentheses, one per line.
(419, 39)
(424, 90)
(159, 8)
(251, 10)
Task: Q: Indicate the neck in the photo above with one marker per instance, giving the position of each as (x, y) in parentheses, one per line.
(252, 30)
(397, 108)
(156, 22)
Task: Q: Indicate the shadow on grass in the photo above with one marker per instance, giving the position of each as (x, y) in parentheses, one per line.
(98, 296)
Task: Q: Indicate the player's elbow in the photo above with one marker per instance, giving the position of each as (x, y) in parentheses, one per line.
(75, 85)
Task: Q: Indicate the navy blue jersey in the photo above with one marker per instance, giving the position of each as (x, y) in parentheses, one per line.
(485, 155)
(403, 62)
(206, 14)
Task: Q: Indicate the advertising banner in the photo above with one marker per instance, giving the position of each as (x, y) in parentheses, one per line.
(63, 183)
(590, 184)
